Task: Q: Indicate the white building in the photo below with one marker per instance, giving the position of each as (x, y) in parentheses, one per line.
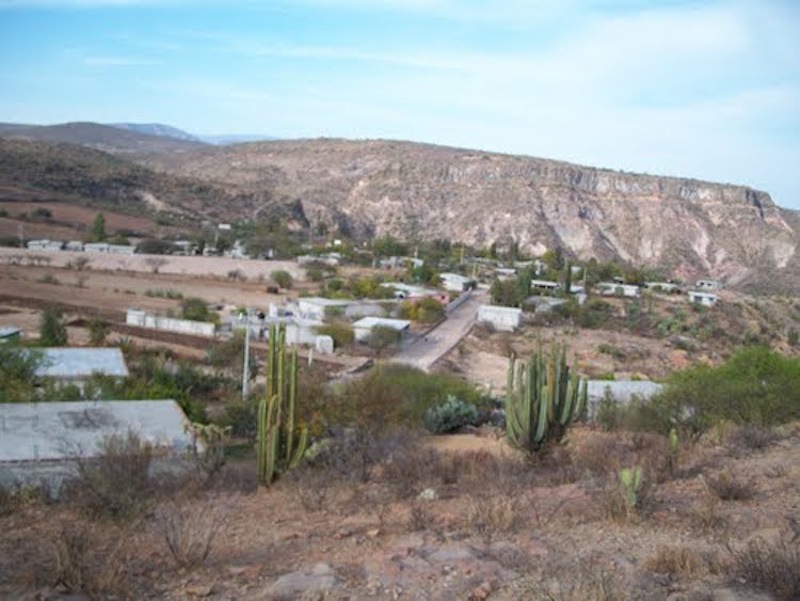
(318, 308)
(49, 245)
(454, 282)
(363, 327)
(545, 285)
(505, 319)
(707, 299)
(142, 319)
(661, 286)
(617, 289)
(707, 285)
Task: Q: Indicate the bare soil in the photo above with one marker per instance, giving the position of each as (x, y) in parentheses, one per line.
(546, 529)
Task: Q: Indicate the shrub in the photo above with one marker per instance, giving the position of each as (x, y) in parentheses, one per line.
(49, 279)
(753, 437)
(195, 309)
(189, 528)
(680, 561)
(771, 566)
(450, 416)
(117, 482)
(86, 563)
(98, 332)
(397, 395)
(282, 278)
(756, 386)
(728, 487)
(52, 329)
(340, 331)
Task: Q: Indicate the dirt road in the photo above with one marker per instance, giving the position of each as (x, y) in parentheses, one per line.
(428, 349)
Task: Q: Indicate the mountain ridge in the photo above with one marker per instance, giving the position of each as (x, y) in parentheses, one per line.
(368, 188)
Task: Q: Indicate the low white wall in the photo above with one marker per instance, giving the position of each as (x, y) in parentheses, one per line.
(142, 319)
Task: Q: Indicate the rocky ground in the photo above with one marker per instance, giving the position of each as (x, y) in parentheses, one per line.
(471, 522)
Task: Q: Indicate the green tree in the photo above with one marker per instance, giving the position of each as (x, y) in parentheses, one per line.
(98, 231)
(52, 330)
(195, 309)
(98, 332)
(17, 371)
(382, 337)
(282, 278)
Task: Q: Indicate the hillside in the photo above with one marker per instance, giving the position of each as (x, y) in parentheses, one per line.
(372, 188)
(40, 171)
(158, 129)
(101, 137)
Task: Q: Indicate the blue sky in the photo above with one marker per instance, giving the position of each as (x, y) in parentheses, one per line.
(706, 89)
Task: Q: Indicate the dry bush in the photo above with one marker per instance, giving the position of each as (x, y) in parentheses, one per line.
(599, 455)
(705, 516)
(492, 515)
(773, 566)
(420, 517)
(728, 487)
(777, 470)
(752, 437)
(117, 482)
(189, 528)
(679, 561)
(86, 563)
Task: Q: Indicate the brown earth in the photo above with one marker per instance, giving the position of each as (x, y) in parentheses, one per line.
(494, 529)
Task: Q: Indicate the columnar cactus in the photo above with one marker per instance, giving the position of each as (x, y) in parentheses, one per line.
(280, 447)
(542, 399)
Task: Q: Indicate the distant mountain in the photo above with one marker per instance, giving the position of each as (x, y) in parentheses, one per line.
(158, 129)
(101, 137)
(223, 140)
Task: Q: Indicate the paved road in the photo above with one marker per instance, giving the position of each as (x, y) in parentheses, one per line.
(426, 351)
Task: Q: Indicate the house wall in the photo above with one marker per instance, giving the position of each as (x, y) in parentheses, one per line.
(506, 319)
(142, 319)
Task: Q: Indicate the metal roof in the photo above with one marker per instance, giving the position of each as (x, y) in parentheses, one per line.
(82, 362)
(371, 322)
(54, 431)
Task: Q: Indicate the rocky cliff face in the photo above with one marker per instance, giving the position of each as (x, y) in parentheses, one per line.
(377, 187)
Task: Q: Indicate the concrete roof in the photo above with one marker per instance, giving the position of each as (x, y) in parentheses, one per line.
(324, 302)
(54, 431)
(371, 322)
(82, 362)
(7, 331)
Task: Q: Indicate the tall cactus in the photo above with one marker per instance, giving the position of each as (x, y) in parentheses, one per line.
(542, 398)
(279, 447)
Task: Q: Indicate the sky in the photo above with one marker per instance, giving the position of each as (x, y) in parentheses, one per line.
(708, 89)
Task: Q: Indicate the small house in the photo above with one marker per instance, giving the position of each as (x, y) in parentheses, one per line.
(668, 287)
(505, 319)
(545, 286)
(45, 245)
(455, 282)
(40, 443)
(363, 327)
(707, 285)
(617, 289)
(706, 299)
(74, 245)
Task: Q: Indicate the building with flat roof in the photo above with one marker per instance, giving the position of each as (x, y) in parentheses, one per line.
(363, 327)
(69, 364)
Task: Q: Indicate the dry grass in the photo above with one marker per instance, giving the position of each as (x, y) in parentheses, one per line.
(679, 561)
(491, 516)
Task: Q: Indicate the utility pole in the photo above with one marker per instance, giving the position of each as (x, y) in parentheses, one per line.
(246, 369)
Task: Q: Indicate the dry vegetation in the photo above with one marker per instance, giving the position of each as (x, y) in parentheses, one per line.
(393, 515)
